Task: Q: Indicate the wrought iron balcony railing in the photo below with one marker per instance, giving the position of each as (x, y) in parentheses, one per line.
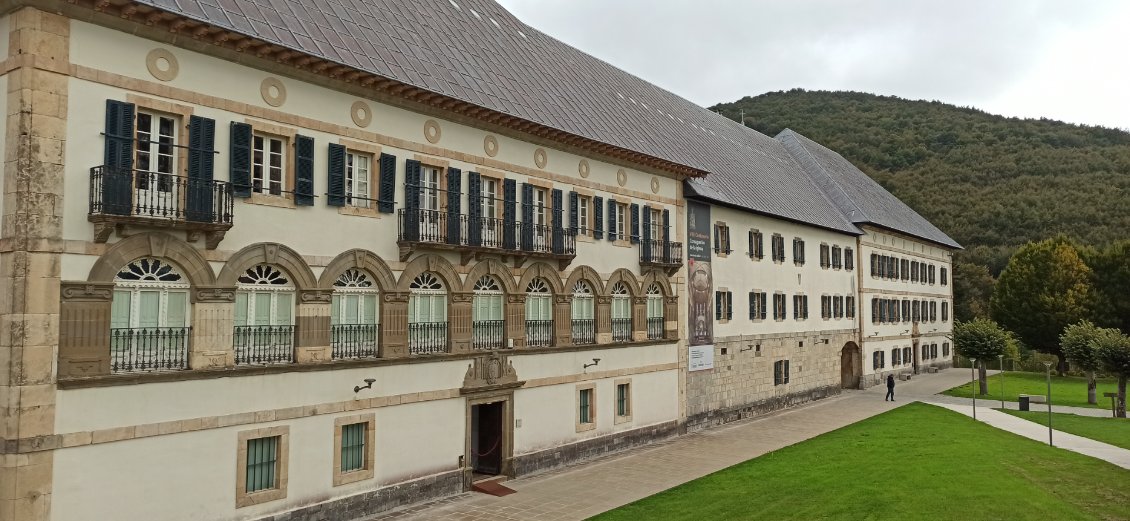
(353, 341)
(256, 345)
(149, 349)
(655, 327)
(661, 253)
(425, 338)
(437, 227)
(539, 333)
(622, 330)
(584, 331)
(488, 334)
(157, 196)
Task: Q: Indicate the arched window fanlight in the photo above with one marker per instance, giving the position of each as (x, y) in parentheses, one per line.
(264, 275)
(149, 270)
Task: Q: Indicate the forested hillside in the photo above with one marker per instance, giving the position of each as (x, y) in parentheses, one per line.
(992, 183)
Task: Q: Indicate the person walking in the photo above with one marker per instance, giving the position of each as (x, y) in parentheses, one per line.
(890, 388)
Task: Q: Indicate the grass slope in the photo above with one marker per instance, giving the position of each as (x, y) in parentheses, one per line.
(915, 462)
(1115, 431)
(1066, 390)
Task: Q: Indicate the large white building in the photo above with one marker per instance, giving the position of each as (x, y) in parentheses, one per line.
(318, 259)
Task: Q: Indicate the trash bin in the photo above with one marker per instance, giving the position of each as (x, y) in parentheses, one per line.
(1024, 402)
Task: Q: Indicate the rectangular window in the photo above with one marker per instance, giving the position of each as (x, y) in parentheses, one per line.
(778, 248)
(945, 311)
(825, 256)
(905, 269)
(779, 311)
(584, 203)
(933, 311)
(914, 271)
(724, 305)
(849, 259)
(838, 307)
(825, 307)
(354, 438)
(268, 168)
(849, 306)
(721, 239)
(623, 400)
(896, 358)
(931, 272)
(622, 221)
(945, 349)
(353, 447)
(756, 246)
(837, 258)
(798, 251)
(780, 372)
(586, 407)
(357, 175)
(262, 463)
(757, 305)
(156, 151)
(944, 276)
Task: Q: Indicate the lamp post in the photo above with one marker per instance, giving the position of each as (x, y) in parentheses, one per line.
(1048, 365)
(973, 371)
(1002, 379)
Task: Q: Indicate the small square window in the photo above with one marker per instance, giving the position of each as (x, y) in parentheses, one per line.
(354, 438)
(261, 471)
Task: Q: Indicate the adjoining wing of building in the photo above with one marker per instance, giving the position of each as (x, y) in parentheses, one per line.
(318, 259)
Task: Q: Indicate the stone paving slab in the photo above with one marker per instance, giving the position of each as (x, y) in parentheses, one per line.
(587, 489)
(1035, 431)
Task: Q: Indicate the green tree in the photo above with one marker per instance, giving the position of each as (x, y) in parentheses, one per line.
(1045, 287)
(1111, 267)
(1077, 342)
(983, 340)
(972, 289)
(1114, 353)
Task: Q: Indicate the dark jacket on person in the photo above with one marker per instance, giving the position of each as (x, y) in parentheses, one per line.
(890, 381)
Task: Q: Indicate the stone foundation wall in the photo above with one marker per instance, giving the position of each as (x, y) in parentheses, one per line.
(369, 503)
(741, 384)
(557, 457)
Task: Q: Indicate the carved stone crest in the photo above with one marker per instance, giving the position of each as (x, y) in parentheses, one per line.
(88, 291)
(490, 372)
(316, 296)
(215, 294)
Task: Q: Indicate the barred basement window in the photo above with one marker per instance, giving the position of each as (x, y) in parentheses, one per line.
(586, 407)
(623, 400)
(262, 463)
(353, 447)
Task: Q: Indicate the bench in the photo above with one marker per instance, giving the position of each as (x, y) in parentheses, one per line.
(904, 376)
(931, 369)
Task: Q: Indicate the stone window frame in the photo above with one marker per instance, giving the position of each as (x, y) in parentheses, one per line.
(183, 114)
(242, 497)
(722, 232)
(590, 425)
(725, 301)
(627, 418)
(288, 135)
(374, 153)
(825, 256)
(757, 244)
(369, 470)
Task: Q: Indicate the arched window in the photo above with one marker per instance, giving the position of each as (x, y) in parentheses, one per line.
(264, 316)
(487, 325)
(353, 316)
(539, 314)
(621, 313)
(149, 318)
(427, 315)
(655, 321)
(584, 327)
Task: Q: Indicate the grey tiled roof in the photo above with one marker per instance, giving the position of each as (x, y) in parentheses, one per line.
(480, 53)
(858, 196)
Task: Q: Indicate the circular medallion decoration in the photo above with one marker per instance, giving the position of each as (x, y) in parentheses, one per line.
(621, 177)
(540, 158)
(490, 146)
(361, 113)
(583, 168)
(431, 131)
(162, 64)
(273, 92)
(654, 185)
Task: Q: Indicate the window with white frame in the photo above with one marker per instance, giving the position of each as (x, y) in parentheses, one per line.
(427, 314)
(539, 313)
(584, 214)
(268, 164)
(622, 220)
(621, 313)
(354, 315)
(155, 156)
(582, 313)
(358, 168)
(149, 317)
(655, 319)
(264, 316)
(486, 314)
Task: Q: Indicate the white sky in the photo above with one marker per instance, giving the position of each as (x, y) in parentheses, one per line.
(1066, 60)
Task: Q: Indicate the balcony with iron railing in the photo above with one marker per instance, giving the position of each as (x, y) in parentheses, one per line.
(136, 197)
(427, 338)
(622, 330)
(584, 331)
(261, 345)
(147, 349)
(349, 341)
(655, 326)
(488, 334)
(661, 254)
(539, 333)
(438, 229)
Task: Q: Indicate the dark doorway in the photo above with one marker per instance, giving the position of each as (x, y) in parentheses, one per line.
(486, 438)
(851, 366)
(916, 358)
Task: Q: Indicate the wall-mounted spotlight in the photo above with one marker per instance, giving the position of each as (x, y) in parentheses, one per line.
(875, 334)
(595, 361)
(368, 385)
(747, 348)
(905, 331)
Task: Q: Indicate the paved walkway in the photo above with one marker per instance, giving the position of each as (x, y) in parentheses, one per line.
(994, 401)
(1035, 431)
(587, 489)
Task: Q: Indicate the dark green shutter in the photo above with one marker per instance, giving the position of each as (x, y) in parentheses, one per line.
(635, 223)
(786, 371)
(201, 167)
(527, 216)
(454, 180)
(303, 171)
(647, 238)
(777, 373)
(117, 174)
(764, 304)
(717, 239)
(386, 194)
(335, 181)
(574, 219)
(752, 305)
(474, 209)
(598, 217)
(611, 219)
(411, 226)
(717, 305)
(667, 237)
(729, 305)
(509, 217)
(558, 225)
(239, 159)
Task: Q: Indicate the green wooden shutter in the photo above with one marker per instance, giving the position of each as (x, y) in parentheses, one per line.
(335, 314)
(611, 219)
(598, 217)
(574, 219)
(509, 214)
(386, 196)
(634, 234)
(717, 305)
(454, 192)
(284, 309)
(239, 159)
(558, 221)
(411, 224)
(117, 176)
(176, 311)
(729, 305)
(201, 169)
(303, 171)
(527, 216)
(240, 308)
(335, 176)
(647, 238)
(475, 221)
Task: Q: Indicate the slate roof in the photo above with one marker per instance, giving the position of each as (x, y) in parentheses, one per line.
(859, 197)
(477, 52)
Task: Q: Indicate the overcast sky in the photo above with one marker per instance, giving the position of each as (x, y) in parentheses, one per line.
(1066, 60)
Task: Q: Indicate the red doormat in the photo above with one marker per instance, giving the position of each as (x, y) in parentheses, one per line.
(493, 488)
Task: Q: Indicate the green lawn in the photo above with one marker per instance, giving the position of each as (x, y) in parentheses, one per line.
(915, 462)
(1066, 390)
(1115, 431)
